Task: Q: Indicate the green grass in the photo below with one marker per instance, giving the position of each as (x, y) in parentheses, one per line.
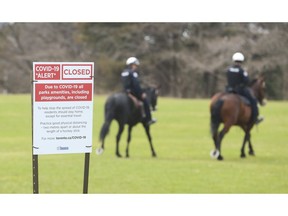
(182, 142)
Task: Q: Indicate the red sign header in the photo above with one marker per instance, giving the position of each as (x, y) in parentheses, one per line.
(47, 71)
(63, 72)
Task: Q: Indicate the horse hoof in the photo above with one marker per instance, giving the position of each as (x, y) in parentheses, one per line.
(220, 158)
(154, 155)
(243, 156)
(252, 153)
(99, 151)
(214, 154)
(119, 155)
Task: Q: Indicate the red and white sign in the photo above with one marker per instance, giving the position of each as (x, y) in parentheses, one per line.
(80, 71)
(62, 107)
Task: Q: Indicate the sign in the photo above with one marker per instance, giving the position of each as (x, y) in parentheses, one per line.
(62, 107)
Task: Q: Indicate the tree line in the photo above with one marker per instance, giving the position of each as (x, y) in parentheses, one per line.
(188, 60)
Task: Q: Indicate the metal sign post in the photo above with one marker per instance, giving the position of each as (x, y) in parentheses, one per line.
(86, 173)
(35, 174)
(62, 112)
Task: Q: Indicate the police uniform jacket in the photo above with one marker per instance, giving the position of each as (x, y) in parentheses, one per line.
(237, 78)
(131, 83)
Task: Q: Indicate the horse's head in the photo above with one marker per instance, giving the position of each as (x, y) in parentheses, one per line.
(258, 88)
(152, 96)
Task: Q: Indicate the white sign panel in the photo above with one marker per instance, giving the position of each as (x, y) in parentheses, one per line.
(62, 107)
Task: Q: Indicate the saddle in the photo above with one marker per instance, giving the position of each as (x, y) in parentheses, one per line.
(242, 98)
(245, 100)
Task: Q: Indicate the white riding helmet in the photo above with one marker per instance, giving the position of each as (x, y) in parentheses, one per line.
(238, 57)
(132, 60)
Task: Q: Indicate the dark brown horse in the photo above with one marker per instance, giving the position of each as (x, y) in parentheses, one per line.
(231, 109)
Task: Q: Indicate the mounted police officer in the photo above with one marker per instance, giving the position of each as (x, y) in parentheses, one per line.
(132, 86)
(238, 82)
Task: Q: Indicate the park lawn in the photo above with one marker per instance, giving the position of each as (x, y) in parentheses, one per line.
(181, 139)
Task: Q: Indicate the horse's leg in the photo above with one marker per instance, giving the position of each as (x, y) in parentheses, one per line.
(218, 144)
(214, 126)
(246, 138)
(100, 150)
(221, 135)
(121, 128)
(251, 150)
(215, 135)
(147, 129)
(215, 152)
(215, 139)
(128, 140)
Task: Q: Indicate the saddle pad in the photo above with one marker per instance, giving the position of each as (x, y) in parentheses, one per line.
(245, 100)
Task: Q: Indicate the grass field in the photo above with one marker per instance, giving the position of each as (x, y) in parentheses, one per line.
(182, 142)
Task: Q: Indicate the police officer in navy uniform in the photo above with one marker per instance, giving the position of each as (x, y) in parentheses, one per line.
(132, 86)
(238, 81)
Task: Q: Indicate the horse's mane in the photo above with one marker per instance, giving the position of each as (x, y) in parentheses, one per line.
(252, 82)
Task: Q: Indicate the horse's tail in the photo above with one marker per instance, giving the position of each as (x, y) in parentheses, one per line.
(109, 115)
(215, 119)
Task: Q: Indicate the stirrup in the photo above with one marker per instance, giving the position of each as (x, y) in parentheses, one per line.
(152, 121)
(259, 120)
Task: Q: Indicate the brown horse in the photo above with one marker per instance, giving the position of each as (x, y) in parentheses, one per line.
(231, 109)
